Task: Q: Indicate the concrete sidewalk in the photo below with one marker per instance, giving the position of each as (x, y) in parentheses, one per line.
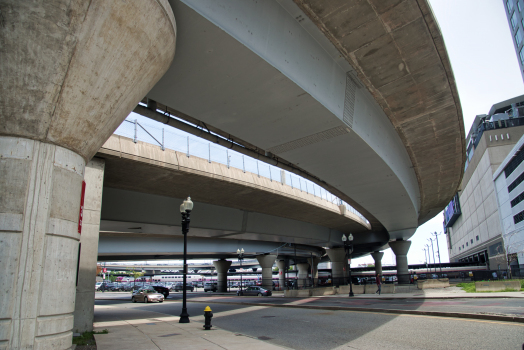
(437, 293)
(145, 330)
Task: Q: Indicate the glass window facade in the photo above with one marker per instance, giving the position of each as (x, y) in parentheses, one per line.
(519, 6)
(514, 21)
(509, 5)
(518, 37)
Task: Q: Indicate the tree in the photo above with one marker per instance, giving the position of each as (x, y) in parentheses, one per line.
(136, 274)
(111, 276)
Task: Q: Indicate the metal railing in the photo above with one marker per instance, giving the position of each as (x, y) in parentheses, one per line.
(180, 141)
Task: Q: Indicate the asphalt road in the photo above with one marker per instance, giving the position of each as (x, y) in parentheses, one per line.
(491, 306)
(323, 329)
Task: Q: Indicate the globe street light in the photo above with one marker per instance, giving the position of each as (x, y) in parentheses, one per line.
(348, 248)
(185, 210)
(240, 253)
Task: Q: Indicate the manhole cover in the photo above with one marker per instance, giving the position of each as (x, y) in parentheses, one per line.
(169, 335)
(264, 338)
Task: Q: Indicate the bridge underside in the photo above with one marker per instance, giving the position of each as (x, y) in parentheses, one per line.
(126, 231)
(277, 75)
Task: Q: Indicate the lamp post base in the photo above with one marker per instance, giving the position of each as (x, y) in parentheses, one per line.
(184, 316)
(351, 294)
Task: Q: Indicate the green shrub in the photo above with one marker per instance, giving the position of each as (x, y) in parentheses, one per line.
(468, 287)
(87, 338)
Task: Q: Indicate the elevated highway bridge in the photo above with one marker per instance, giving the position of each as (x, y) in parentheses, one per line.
(357, 96)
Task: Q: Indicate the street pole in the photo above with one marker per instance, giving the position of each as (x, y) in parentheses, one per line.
(438, 252)
(434, 262)
(426, 259)
(429, 258)
(295, 267)
(240, 253)
(348, 249)
(185, 210)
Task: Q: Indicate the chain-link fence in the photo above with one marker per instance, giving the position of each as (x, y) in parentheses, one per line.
(180, 141)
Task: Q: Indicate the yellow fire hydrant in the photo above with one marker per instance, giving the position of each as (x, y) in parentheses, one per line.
(207, 316)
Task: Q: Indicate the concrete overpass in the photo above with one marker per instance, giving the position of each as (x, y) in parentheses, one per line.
(359, 94)
(144, 185)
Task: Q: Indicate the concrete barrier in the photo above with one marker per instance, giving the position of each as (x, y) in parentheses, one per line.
(436, 283)
(315, 292)
(345, 290)
(297, 293)
(496, 286)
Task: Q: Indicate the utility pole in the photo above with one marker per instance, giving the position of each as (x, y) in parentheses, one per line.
(438, 251)
(426, 259)
(434, 262)
(429, 258)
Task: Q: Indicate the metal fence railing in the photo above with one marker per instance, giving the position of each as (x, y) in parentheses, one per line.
(180, 141)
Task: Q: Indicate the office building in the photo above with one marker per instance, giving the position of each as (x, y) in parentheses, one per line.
(472, 220)
(514, 14)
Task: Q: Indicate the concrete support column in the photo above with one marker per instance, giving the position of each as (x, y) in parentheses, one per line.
(266, 262)
(40, 191)
(400, 248)
(303, 270)
(377, 256)
(87, 68)
(338, 264)
(313, 262)
(222, 267)
(85, 288)
(282, 264)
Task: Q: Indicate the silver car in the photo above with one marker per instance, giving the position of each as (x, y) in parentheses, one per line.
(147, 296)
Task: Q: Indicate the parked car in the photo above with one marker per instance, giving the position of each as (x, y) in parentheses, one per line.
(210, 287)
(179, 287)
(147, 296)
(117, 287)
(255, 290)
(105, 286)
(199, 284)
(127, 287)
(161, 289)
(97, 285)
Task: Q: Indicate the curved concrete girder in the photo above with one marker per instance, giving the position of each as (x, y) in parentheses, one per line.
(398, 52)
(133, 165)
(374, 129)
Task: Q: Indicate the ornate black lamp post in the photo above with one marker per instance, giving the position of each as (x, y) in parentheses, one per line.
(240, 253)
(348, 248)
(185, 210)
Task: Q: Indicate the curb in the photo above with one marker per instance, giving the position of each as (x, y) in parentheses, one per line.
(388, 311)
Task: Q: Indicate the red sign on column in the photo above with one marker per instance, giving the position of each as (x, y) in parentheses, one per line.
(81, 216)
